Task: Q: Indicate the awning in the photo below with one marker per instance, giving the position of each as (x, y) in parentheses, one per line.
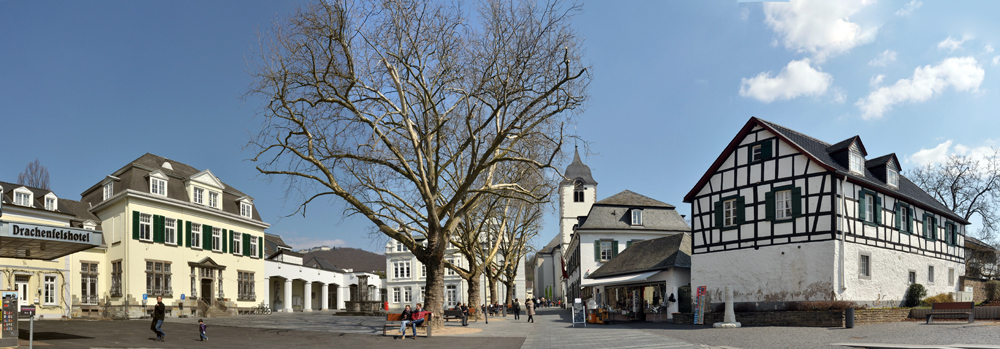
(46, 242)
(619, 280)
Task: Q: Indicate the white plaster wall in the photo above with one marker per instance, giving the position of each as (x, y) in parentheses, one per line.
(589, 265)
(792, 272)
(889, 275)
(571, 210)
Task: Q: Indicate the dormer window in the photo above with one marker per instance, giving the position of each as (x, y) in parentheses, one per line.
(213, 199)
(109, 188)
(23, 197)
(857, 161)
(199, 196)
(51, 203)
(246, 209)
(636, 216)
(157, 186)
(892, 176)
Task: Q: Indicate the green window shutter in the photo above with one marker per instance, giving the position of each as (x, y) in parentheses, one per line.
(740, 211)
(206, 234)
(135, 225)
(718, 214)
(224, 241)
(769, 205)
(878, 209)
(187, 234)
(925, 226)
(614, 248)
(796, 202)
(179, 232)
(246, 244)
(897, 209)
(157, 228)
(861, 205)
(260, 245)
(934, 229)
(628, 244)
(909, 220)
(765, 150)
(597, 250)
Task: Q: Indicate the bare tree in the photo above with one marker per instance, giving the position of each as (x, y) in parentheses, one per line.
(401, 108)
(968, 186)
(34, 175)
(521, 227)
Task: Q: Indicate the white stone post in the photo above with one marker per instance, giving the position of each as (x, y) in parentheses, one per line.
(307, 296)
(324, 296)
(267, 291)
(730, 315)
(288, 295)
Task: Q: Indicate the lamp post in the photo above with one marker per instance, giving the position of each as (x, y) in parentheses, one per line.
(484, 246)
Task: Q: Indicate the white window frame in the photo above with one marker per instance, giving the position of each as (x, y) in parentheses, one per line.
(911, 276)
(729, 213)
(145, 227)
(407, 294)
(157, 186)
(198, 195)
(870, 208)
(237, 243)
(451, 272)
(783, 204)
(422, 293)
(607, 249)
(395, 295)
(49, 294)
(930, 274)
(196, 235)
(109, 190)
(904, 221)
(253, 246)
(423, 270)
(857, 162)
(170, 231)
(892, 176)
(23, 197)
(636, 216)
(246, 209)
(51, 202)
(216, 239)
(865, 266)
(451, 295)
(756, 153)
(213, 199)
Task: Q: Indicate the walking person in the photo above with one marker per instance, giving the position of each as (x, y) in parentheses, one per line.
(517, 309)
(201, 330)
(158, 313)
(407, 317)
(529, 305)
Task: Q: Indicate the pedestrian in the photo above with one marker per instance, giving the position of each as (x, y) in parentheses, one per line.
(201, 330)
(517, 309)
(158, 313)
(465, 313)
(529, 304)
(407, 317)
(418, 318)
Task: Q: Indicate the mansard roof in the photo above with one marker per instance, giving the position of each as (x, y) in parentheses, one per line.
(578, 170)
(672, 251)
(612, 214)
(819, 152)
(630, 198)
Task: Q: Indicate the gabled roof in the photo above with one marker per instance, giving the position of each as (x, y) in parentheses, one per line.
(272, 242)
(577, 170)
(672, 251)
(846, 144)
(613, 214)
(817, 150)
(632, 199)
(882, 161)
(321, 263)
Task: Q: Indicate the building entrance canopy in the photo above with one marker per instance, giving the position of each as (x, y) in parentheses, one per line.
(45, 242)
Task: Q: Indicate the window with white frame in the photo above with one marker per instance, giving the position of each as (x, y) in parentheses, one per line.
(912, 277)
(246, 286)
(195, 235)
(451, 295)
(451, 272)
(145, 226)
(422, 294)
(729, 213)
(395, 295)
(246, 210)
(756, 153)
(401, 270)
(158, 186)
(865, 266)
(213, 199)
(216, 239)
(870, 208)
(930, 274)
(22, 198)
(253, 246)
(50, 203)
(423, 270)
(109, 189)
(406, 295)
(892, 176)
(606, 252)
(237, 243)
(636, 216)
(783, 204)
(199, 196)
(904, 219)
(49, 297)
(857, 161)
(158, 278)
(170, 231)
(88, 283)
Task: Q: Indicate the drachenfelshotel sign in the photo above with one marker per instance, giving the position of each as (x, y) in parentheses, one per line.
(49, 233)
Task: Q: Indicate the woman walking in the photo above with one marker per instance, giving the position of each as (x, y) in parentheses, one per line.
(529, 305)
(516, 308)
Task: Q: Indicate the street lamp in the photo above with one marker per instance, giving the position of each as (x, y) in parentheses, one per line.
(484, 246)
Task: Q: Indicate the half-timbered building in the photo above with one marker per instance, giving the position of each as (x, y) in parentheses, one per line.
(781, 216)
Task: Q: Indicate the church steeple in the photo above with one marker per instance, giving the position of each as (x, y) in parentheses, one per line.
(577, 170)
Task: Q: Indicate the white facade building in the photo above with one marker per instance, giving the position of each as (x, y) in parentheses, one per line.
(781, 216)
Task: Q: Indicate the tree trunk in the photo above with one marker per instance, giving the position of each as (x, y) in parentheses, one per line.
(474, 301)
(493, 289)
(510, 293)
(434, 292)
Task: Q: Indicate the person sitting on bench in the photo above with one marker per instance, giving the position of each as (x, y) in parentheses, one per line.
(418, 318)
(465, 313)
(407, 317)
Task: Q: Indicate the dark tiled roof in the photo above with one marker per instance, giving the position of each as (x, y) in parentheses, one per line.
(272, 242)
(844, 144)
(615, 215)
(907, 190)
(577, 169)
(672, 251)
(881, 161)
(321, 263)
(38, 198)
(630, 198)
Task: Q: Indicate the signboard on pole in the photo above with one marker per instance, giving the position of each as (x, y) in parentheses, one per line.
(699, 305)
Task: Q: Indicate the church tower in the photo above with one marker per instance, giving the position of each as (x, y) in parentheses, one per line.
(576, 194)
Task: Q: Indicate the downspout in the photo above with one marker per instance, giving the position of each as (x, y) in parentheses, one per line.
(840, 220)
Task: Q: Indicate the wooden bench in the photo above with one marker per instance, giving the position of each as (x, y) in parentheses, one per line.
(396, 320)
(457, 315)
(952, 308)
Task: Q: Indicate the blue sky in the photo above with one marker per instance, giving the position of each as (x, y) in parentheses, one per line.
(87, 86)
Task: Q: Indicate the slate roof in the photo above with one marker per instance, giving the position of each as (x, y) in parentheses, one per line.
(321, 263)
(135, 176)
(882, 161)
(613, 214)
(272, 242)
(672, 251)
(818, 151)
(38, 197)
(577, 170)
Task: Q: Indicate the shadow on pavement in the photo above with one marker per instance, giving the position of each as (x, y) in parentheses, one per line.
(44, 336)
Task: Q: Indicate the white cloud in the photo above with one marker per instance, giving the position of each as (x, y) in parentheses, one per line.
(796, 79)
(996, 60)
(941, 152)
(744, 14)
(952, 44)
(883, 59)
(819, 28)
(839, 96)
(961, 73)
(298, 243)
(909, 8)
(988, 48)
(876, 80)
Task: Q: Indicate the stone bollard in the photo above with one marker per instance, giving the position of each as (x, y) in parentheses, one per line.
(730, 315)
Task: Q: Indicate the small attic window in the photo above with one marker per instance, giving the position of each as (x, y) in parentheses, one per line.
(857, 160)
(636, 216)
(23, 197)
(51, 202)
(891, 175)
(167, 165)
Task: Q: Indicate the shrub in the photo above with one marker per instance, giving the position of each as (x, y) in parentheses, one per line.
(992, 288)
(940, 298)
(914, 294)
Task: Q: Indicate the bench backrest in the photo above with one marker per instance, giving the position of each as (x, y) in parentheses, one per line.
(952, 305)
(399, 317)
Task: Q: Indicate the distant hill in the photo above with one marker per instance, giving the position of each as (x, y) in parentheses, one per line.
(350, 258)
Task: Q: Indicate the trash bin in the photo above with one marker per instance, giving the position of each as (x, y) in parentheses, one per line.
(849, 318)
